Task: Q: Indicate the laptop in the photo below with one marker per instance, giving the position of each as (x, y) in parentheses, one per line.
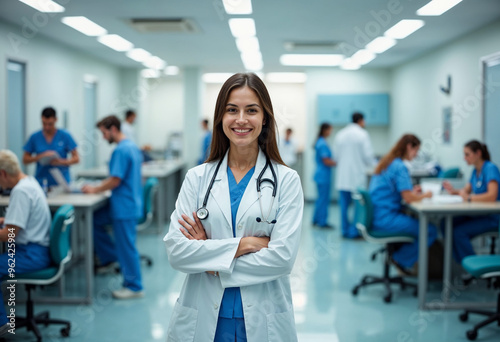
(61, 181)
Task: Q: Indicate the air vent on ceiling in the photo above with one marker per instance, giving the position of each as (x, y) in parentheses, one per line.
(173, 25)
(311, 46)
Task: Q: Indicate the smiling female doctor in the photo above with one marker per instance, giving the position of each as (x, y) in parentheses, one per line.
(237, 248)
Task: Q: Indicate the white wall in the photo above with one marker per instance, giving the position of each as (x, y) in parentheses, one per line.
(333, 81)
(418, 103)
(54, 76)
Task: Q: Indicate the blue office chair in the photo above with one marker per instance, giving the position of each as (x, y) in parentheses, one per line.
(453, 172)
(149, 191)
(364, 208)
(60, 254)
(483, 267)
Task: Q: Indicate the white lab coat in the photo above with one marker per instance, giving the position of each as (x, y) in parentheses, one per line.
(263, 277)
(353, 153)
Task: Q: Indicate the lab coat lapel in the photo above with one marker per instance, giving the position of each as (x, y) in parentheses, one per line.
(220, 191)
(250, 195)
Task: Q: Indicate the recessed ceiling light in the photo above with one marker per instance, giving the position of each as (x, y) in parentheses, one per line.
(138, 55)
(154, 62)
(215, 77)
(404, 28)
(437, 7)
(115, 42)
(247, 44)
(349, 64)
(84, 25)
(363, 57)
(238, 6)
(45, 6)
(242, 27)
(312, 60)
(381, 44)
(286, 77)
(172, 70)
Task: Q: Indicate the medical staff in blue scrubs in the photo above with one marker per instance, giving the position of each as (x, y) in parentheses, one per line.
(207, 140)
(49, 148)
(323, 176)
(125, 207)
(390, 184)
(26, 222)
(482, 187)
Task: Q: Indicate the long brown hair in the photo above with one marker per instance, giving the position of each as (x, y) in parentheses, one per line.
(397, 151)
(267, 138)
(475, 146)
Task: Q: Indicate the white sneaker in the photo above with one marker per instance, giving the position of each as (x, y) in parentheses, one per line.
(126, 293)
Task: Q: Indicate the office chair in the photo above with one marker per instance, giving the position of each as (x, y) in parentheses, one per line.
(453, 172)
(60, 254)
(149, 190)
(483, 267)
(363, 222)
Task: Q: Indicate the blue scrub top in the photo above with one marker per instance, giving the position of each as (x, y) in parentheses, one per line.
(62, 143)
(231, 305)
(323, 172)
(126, 199)
(386, 188)
(479, 182)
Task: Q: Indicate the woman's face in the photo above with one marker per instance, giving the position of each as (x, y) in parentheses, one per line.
(471, 157)
(411, 151)
(328, 131)
(243, 118)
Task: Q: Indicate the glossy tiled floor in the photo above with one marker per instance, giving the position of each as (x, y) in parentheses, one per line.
(326, 269)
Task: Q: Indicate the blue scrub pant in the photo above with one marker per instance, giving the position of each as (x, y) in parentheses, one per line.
(124, 251)
(348, 230)
(321, 209)
(467, 227)
(230, 330)
(28, 258)
(407, 255)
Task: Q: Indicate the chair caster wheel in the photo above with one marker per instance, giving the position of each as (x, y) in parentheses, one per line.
(471, 335)
(464, 317)
(387, 299)
(354, 291)
(65, 332)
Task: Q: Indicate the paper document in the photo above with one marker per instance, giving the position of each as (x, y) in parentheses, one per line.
(46, 160)
(60, 180)
(446, 199)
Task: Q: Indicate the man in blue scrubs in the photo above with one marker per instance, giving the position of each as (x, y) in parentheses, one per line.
(124, 209)
(26, 222)
(49, 148)
(207, 140)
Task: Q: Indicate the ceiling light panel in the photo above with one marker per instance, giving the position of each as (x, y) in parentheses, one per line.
(84, 25)
(237, 6)
(138, 55)
(242, 27)
(216, 77)
(115, 42)
(381, 44)
(45, 6)
(172, 70)
(363, 57)
(247, 44)
(286, 77)
(404, 28)
(312, 60)
(350, 64)
(154, 62)
(437, 7)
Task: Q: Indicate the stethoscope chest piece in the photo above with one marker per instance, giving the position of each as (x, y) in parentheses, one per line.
(202, 213)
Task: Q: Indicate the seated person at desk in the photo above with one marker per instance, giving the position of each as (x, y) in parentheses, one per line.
(27, 221)
(390, 184)
(50, 146)
(123, 210)
(482, 187)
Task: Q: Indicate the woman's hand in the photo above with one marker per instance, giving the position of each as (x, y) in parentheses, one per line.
(417, 189)
(464, 194)
(448, 187)
(427, 194)
(251, 244)
(193, 230)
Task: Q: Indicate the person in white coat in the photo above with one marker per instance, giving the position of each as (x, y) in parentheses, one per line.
(237, 247)
(353, 153)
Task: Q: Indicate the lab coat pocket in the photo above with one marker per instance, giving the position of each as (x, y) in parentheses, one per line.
(281, 327)
(182, 324)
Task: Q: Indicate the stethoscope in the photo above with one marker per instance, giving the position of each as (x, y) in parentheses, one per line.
(202, 213)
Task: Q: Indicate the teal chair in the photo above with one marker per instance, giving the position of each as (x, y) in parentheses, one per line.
(149, 190)
(60, 254)
(453, 172)
(483, 267)
(364, 208)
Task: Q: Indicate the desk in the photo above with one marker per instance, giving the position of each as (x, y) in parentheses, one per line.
(169, 175)
(85, 205)
(425, 209)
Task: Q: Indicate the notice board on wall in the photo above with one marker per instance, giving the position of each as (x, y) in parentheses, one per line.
(337, 109)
